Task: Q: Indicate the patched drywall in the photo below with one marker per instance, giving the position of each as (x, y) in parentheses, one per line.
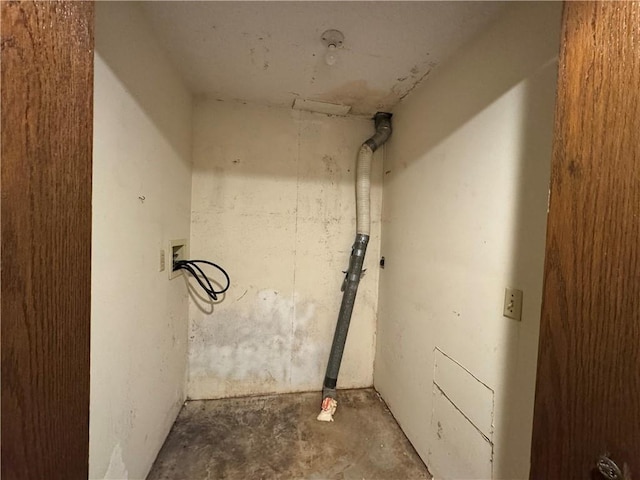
(465, 201)
(461, 422)
(460, 451)
(141, 200)
(274, 203)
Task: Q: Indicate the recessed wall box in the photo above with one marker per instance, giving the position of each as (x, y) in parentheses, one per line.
(179, 250)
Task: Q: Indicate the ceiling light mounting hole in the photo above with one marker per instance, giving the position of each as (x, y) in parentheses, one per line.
(333, 37)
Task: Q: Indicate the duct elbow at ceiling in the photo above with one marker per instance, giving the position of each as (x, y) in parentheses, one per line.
(382, 121)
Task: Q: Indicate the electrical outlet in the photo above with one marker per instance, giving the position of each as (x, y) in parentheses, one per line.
(162, 260)
(179, 250)
(512, 303)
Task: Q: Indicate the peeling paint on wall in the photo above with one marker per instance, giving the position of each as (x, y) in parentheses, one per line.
(117, 470)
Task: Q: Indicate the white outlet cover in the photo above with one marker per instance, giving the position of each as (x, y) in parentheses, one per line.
(512, 303)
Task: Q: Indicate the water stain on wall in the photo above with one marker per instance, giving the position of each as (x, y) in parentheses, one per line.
(247, 343)
(283, 221)
(365, 99)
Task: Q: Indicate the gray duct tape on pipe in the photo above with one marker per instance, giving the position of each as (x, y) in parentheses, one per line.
(358, 251)
(382, 121)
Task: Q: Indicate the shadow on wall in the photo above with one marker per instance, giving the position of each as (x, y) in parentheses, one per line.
(136, 59)
(126, 43)
(495, 80)
(203, 302)
(516, 63)
(261, 143)
(527, 265)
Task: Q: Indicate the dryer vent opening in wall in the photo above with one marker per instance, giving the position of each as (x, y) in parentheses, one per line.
(179, 250)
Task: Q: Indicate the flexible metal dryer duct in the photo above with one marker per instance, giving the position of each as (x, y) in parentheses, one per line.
(354, 272)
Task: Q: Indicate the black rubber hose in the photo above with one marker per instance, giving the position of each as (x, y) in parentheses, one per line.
(192, 267)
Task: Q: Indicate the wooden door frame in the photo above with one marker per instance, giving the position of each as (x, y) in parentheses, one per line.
(588, 384)
(46, 170)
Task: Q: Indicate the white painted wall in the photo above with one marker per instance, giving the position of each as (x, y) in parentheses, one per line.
(465, 200)
(273, 202)
(142, 135)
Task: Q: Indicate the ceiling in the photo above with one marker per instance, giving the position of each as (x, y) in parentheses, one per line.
(270, 52)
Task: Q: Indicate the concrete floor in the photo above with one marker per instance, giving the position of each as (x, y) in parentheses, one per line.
(278, 436)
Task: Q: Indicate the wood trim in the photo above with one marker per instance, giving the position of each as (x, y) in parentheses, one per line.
(47, 129)
(588, 387)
